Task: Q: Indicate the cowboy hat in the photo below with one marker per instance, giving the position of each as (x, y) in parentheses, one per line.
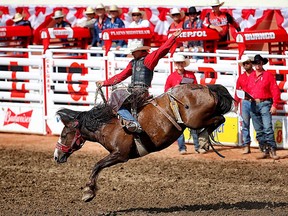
(89, 10)
(58, 14)
(181, 58)
(136, 46)
(192, 10)
(258, 58)
(216, 3)
(244, 58)
(136, 10)
(17, 17)
(114, 8)
(176, 11)
(100, 6)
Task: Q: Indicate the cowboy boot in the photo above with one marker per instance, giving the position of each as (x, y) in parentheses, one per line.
(263, 155)
(273, 154)
(247, 149)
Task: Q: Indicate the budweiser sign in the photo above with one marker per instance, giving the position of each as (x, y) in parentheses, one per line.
(22, 119)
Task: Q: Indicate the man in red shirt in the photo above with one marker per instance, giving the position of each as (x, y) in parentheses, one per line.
(220, 21)
(141, 70)
(241, 84)
(263, 88)
(182, 76)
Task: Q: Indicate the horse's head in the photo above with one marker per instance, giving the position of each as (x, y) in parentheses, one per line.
(70, 139)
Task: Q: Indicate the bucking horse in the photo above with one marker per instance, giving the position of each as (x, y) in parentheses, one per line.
(198, 107)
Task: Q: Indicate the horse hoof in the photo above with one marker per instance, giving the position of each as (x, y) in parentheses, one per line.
(88, 195)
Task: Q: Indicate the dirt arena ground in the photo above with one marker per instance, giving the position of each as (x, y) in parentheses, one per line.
(162, 183)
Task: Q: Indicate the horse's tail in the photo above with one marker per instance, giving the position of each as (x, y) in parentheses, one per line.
(224, 99)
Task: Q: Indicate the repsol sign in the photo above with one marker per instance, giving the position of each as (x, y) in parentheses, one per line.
(193, 34)
(260, 36)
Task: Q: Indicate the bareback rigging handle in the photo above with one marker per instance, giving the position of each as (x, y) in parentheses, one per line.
(99, 90)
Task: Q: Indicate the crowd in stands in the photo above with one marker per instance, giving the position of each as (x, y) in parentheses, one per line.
(103, 17)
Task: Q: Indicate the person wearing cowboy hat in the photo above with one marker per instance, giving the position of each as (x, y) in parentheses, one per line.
(116, 22)
(59, 20)
(101, 23)
(245, 104)
(263, 88)
(193, 22)
(141, 70)
(178, 18)
(18, 20)
(220, 22)
(137, 22)
(182, 76)
(89, 19)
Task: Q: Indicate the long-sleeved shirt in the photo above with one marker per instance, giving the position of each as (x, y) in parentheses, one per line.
(175, 79)
(241, 84)
(141, 24)
(150, 61)
(97, 31)
(118, 23)
(263, 86)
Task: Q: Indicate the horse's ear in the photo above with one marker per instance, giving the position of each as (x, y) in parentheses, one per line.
(66, 119)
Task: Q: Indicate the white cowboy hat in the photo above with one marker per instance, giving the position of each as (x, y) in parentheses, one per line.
(58, 14)
(89, 10)
(181, 58)
(136, 10)
(244, 58)
(17, 17)
(136, 46)
(216, 3)
(100, 6)
(176, 11)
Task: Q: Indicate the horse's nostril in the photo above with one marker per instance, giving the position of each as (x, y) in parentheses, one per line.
(55, 158)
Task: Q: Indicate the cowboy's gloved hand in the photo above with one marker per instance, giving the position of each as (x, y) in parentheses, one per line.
(99, 83)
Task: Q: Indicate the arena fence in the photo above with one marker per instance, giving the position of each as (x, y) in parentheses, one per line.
(32, 89)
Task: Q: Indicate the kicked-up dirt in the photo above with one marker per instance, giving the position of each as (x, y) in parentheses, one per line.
(162, 183)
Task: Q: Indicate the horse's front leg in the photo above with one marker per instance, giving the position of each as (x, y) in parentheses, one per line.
(89, 192)
(213, 123)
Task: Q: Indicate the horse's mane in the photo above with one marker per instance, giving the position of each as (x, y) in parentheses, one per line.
(93, 119)
(224, 98)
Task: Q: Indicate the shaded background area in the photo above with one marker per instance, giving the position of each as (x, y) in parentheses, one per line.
(163, 183)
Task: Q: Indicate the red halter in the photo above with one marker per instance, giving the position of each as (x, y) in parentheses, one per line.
(77, 143)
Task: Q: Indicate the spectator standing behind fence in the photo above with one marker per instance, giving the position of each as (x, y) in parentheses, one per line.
(220, 21)
(116, 22)
(89, 20)
(59, 20)
(193, 22)
(241, 84)
(18, 20)
(138, 22)
(101, 23)
(178, 18)
(263, 88)
(178, 77)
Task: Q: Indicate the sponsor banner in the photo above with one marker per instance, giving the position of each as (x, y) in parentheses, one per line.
(12, 31)
(227, 133)
(22, 118)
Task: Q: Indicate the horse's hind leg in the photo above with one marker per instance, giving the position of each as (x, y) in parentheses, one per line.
(113, 158)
